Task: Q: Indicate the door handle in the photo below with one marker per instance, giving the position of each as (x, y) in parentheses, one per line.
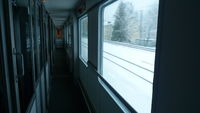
(22, 64)
(21, 68)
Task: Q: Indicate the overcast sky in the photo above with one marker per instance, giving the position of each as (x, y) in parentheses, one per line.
(138, 5)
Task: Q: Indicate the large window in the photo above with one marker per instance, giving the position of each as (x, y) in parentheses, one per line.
(129, 39)
(70, 34)
(84, 38)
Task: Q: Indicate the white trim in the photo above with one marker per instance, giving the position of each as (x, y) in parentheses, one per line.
(114, 97)
(79, 34)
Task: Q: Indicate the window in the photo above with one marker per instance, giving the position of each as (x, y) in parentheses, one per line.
(84, 38)
(65, 35)
(70, 34)
(129, 39)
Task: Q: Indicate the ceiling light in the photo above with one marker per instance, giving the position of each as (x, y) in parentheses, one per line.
(43, 0)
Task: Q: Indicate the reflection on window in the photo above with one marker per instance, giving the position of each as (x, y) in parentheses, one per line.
(129, 33)
(84, 38)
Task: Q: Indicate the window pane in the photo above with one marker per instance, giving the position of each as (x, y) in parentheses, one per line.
(129, 33)
(84, 38)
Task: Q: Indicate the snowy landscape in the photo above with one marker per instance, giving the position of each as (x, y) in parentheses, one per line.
(129, 71)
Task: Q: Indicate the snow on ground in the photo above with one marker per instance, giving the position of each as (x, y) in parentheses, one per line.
(130, 72)
(131, 78)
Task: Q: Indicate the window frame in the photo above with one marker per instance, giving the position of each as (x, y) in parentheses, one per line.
(79, 34)
(120, 101)
(104, 83)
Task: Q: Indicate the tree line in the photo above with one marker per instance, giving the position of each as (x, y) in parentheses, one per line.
(135, 26)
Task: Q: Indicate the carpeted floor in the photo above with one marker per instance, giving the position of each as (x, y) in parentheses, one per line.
(61, 68)
(65, 97)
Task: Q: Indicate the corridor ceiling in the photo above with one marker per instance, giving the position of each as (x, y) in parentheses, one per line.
(59, 10)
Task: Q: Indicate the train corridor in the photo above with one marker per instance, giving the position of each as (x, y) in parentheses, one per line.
(65, 97)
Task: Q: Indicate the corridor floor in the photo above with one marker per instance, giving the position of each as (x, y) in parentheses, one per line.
(65, 97)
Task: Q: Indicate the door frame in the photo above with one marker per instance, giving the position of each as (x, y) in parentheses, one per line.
(7, 42)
